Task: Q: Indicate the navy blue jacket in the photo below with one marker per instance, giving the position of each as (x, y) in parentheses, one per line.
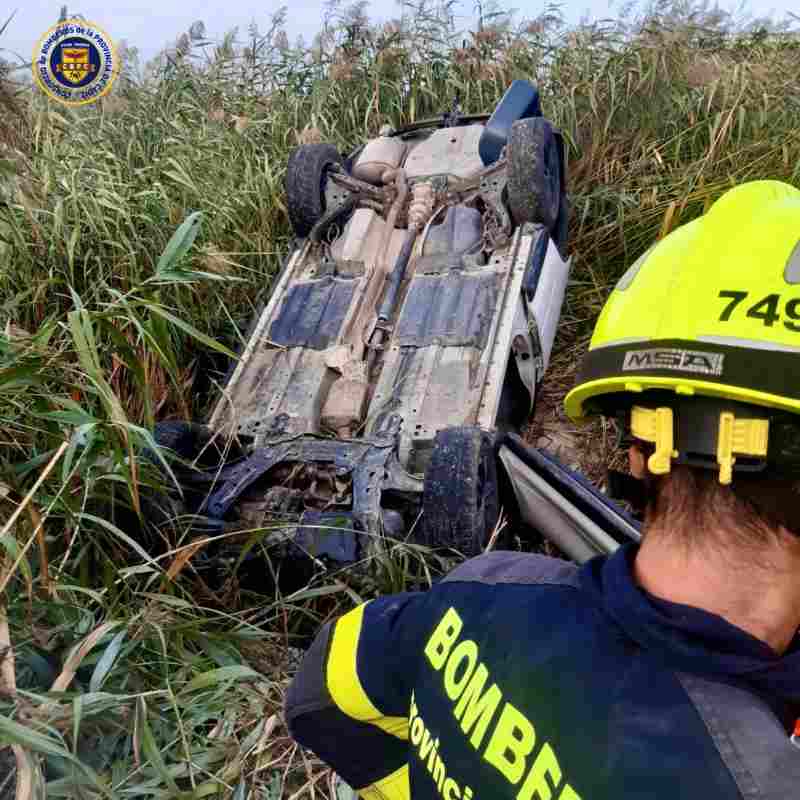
(521, 676)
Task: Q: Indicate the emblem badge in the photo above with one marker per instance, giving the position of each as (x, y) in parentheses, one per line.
(75, 65)
(74, 62)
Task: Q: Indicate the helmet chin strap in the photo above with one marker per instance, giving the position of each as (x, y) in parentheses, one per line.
(657, 427)
(735, 436)
(707, 435)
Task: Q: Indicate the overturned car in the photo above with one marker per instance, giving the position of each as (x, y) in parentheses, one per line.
(412, 322)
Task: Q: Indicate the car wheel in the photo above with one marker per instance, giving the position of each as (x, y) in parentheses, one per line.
(306, 173)
(195, 457)
(460, 499)
(534, 172)
(191, 441)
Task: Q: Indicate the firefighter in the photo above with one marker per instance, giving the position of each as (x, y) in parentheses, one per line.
(667, 670)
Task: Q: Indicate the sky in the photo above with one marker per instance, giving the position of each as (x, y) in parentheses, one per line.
(150, 25)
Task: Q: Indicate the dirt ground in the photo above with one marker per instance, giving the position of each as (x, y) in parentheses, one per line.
(589, 449)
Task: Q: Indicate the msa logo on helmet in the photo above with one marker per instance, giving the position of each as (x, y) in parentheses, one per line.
(675, 359)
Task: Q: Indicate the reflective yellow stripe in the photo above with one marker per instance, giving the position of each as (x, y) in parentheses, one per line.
(396, 726)
(344, 684)
(342, 676)
(394, 787)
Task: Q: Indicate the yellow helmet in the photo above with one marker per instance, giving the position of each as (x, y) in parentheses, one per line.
(708, 321)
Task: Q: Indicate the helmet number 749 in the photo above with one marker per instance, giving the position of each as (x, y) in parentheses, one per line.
(765, 309)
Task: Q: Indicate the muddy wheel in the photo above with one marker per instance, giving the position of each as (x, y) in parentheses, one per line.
(200, 454)
(460, 498)
(190, 441)
(306, 174)
(196, 455)
(534, 172)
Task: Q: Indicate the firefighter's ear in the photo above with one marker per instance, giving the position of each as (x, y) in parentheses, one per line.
(637, 461)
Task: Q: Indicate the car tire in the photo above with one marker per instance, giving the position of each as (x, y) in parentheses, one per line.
(185, 439)
(534, 173)
(460, 504)
(193, 442)
(200, 455)
(306, 173)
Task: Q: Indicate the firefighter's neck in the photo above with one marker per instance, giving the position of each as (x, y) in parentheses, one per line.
(757, 592)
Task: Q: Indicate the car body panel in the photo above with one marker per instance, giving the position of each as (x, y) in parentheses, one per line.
(448, 151)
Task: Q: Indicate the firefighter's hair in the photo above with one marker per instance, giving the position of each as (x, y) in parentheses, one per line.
(750, 512)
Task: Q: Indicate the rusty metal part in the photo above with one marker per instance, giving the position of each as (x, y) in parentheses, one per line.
(420, 209)
(344, 406)
(321, 489)
(431, 220)
(337, 212)
(294, 471)
(343, 193)
(365, 463)
(367, 202)
(459, 188)
(388, 306)
(398, 178)
(302, 486)
(498, 223)
(279, 502)
(356, 336)
(359, 187)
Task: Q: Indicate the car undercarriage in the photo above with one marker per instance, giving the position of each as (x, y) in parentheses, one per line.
(407, 334)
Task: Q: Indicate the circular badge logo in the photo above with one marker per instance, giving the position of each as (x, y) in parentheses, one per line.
(74, 62)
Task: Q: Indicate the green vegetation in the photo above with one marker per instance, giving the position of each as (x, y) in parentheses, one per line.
(139, 235)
